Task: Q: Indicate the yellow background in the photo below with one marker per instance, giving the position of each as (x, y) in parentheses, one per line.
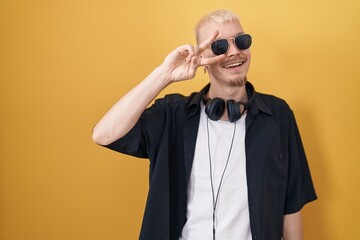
(64, 63)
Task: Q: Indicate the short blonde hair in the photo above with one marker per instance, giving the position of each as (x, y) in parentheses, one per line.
(218, 16)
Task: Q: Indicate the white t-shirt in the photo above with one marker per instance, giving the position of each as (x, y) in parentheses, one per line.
(232, 210)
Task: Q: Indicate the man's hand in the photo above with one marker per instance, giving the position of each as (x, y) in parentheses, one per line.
(182, 63)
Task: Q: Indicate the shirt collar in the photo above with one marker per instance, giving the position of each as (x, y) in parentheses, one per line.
(194, 104)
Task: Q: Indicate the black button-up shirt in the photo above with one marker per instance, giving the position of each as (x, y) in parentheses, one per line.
(277, 171)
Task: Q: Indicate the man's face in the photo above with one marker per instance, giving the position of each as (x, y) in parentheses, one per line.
(233, 68)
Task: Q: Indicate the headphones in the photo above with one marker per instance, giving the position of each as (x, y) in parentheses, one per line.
(214, 108)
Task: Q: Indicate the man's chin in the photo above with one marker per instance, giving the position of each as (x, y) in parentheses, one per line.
(238, 82)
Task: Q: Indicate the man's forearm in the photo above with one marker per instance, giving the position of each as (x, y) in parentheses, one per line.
(126, 112)
(293, 227)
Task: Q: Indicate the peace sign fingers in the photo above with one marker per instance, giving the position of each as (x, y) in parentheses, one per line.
(206, 44)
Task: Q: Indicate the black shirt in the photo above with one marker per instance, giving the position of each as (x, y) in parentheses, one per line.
(278, 175)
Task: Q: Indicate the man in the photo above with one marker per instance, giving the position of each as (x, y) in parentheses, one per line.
(226, 162)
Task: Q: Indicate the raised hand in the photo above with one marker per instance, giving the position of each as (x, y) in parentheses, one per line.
(182, 63)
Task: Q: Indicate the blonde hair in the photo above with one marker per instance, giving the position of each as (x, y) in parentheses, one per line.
(218, 16)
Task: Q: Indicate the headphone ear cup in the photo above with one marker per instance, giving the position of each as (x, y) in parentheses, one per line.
(233, 109)
(214, 108)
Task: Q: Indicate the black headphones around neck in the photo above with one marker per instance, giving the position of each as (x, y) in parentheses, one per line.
(215, 108)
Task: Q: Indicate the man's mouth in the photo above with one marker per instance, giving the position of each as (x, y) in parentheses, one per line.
(233, 65)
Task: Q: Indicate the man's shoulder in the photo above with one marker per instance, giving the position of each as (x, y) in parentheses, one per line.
(176, 99)
(274, 103)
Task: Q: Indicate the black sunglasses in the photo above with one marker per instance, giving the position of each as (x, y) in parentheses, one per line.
(221, 46)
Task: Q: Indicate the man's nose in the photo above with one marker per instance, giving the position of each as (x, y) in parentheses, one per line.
(233, 49)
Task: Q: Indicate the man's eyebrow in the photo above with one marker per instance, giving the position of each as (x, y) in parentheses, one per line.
(230, 37)
(240, 33)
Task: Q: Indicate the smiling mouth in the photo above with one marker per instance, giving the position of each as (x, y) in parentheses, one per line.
(232, 65)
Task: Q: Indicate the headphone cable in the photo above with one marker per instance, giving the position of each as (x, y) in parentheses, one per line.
(215, 200)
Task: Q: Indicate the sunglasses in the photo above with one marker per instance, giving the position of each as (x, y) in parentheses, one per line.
(221, 46)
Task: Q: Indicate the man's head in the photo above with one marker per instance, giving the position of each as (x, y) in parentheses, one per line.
(218, 16)
(233, 68)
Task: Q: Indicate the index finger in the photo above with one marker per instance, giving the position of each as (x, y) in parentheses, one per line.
(205, 44)
(211, 60)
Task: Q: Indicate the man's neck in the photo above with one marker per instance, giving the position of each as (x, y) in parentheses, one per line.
(238, 93)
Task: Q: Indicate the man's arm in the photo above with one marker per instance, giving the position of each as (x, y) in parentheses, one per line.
(181, 64)
(293, 227)
(126, 112)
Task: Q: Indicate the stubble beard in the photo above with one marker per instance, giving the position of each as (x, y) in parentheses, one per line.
(238, 82)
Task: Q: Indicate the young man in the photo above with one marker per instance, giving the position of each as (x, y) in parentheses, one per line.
(226, 162)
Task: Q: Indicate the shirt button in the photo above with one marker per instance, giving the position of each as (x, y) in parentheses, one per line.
(183, 204)
(254, 236)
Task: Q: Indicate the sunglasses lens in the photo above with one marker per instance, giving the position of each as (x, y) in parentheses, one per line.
(243, 41)
(220, 46)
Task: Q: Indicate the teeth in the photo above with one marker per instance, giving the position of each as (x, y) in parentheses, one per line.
(233, 65)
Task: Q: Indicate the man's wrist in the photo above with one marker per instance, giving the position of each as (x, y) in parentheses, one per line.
(162, 74)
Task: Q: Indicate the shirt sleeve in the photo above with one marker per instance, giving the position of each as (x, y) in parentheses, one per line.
(300, 188)
(140, 139)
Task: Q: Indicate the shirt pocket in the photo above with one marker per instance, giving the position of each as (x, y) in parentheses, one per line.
(277, 173)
